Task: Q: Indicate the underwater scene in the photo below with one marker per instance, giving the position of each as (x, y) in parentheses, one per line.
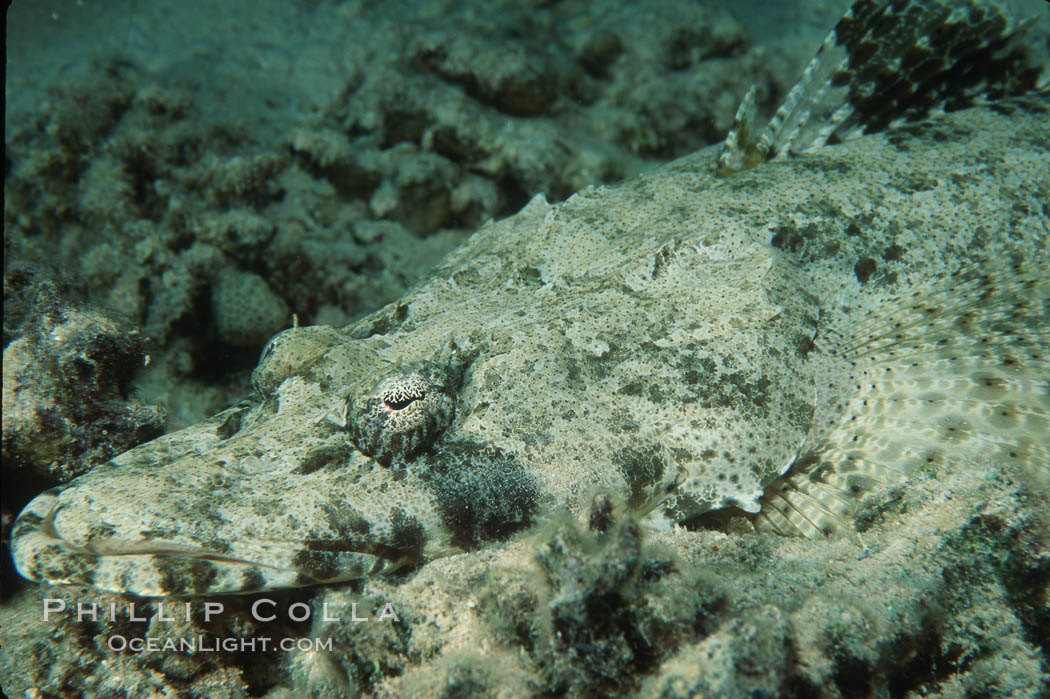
(658, 348)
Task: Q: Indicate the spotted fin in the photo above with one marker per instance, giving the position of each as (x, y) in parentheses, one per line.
(952, 373)
(885, 63)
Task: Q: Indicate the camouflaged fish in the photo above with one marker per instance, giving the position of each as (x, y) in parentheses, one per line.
(773, 341)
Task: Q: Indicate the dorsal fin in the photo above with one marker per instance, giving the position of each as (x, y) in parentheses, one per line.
(887, 62)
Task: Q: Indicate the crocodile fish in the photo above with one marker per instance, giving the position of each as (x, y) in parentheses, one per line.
(772, 329)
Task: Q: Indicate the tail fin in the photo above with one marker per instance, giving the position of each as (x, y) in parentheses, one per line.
(957, 370)
(887, 62)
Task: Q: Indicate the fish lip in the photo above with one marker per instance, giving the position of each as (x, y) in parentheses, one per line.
(113, 547)
(117, 547)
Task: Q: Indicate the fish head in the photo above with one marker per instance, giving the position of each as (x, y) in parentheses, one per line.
(559, 355)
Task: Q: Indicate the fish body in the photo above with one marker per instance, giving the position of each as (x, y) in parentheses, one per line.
(775, 342)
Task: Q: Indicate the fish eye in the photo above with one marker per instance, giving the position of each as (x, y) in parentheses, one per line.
(401, 414)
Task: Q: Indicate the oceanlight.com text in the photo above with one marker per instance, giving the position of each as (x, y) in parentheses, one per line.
(200, 644)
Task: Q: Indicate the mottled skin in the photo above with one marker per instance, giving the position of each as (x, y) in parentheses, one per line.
(637, 341)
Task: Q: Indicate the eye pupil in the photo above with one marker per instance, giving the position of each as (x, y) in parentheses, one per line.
(401, 402)
(401, 397)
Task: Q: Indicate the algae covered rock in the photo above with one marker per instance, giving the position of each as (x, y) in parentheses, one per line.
(67, 403)
(247, 312)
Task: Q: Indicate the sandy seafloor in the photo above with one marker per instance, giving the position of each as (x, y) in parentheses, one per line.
(180, 178)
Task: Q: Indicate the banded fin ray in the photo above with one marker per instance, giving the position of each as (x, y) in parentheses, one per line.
(885, 63)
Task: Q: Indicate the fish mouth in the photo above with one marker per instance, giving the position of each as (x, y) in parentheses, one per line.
(58, 544)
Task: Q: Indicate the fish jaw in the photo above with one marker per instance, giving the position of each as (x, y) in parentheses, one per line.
(61, 538)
